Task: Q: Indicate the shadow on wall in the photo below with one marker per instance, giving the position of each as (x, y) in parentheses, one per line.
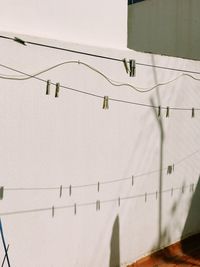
(192, 225)
(115, 245)
(159, 120)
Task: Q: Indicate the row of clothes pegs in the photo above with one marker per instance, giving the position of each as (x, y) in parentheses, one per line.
(118, 200)
(106, 100)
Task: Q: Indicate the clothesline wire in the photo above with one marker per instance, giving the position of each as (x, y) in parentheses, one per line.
(76, 205)
(111, 81)
(92, 94)
(96, 55)
(100, 182)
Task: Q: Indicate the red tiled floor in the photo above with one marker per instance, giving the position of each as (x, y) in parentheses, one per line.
(183, 254)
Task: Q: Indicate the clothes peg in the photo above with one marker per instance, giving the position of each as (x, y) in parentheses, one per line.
(70, 190)
(173, 167)
(132, 178)
(98, 186)
(61, 188)
(126, 65)
(172, 191)
(75, 209)
(20, 41)
(98, 205)
(145, 197)
(105, 102)
(156, 194)
(48, 87)
(159, 111)
(167, 112)
(57, 90)
(169, 169)
(52, 211)
(119, 201)
(183, 189)
(1, 192)
(132, 67)
(193, 113)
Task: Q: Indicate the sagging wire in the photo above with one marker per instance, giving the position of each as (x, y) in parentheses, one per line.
(25, 42)
(109, 80)
(169, 169)
(98, 203)
(84, 92)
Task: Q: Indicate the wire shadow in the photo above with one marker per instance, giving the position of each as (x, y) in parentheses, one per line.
(115, 245)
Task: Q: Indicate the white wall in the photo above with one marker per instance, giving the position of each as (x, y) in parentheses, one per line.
(94, 22)
(165, 27)
(48, 142)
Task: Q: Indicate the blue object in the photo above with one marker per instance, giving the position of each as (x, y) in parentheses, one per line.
(4, 243)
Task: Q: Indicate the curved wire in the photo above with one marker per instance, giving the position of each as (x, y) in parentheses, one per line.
(112, 82)
(84, 92)
(80, 186)
(94, 203)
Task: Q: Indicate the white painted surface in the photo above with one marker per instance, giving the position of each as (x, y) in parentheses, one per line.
(165, 27)
(48, 142)
(91, 22)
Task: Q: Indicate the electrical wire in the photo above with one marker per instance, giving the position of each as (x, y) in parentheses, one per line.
(96, 55)
(112, 82)
(112, 181)
(117, 200)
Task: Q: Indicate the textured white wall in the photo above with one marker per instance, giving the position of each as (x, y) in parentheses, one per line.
(94, 22)
(48, 142)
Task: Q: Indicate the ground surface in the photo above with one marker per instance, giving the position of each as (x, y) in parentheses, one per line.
(182, 254)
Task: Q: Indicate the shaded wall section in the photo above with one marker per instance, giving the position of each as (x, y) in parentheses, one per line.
(165, 27)
(192, 224)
